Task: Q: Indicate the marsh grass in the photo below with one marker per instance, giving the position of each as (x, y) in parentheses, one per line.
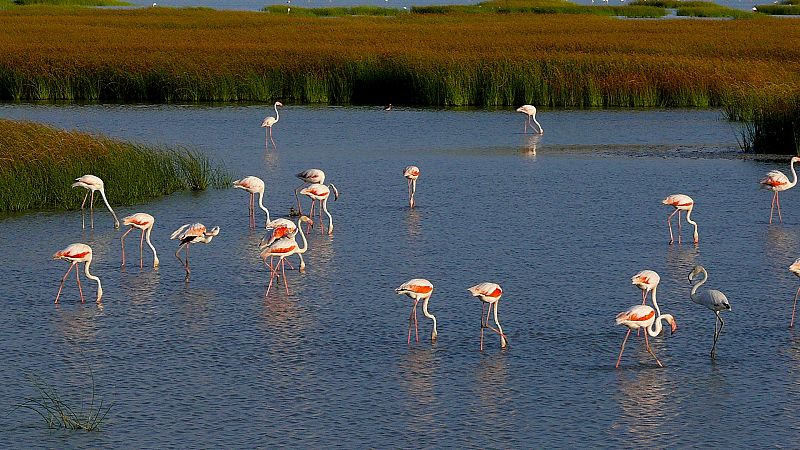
(38, 164)
(61, 412)
(70, 2)
(772, 120)
(783, 9)
(335, 11)
(542, 7)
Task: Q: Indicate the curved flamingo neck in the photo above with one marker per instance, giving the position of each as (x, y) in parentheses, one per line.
(330, 218)
(497, 322)
(92, 277)
(698, 284)
(794, 174)
(427, 314)
(147, 238)
(302, 235)
(116, 220)
(541, 130)
(277, 114)
(656, 327)
(261, 205)
(689, 219)
(655, 300)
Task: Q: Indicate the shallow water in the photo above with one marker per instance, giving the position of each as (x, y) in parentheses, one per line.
(214, 363)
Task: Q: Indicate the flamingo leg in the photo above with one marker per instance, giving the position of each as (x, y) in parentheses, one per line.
(679, 226)
(83, 211)
(669, 224)
(649, 350)
(78, 277)
(622, 349)
(778, 202)
(63, 279)
(772, 208)
(791, 324)
(271, 277)
(416, 323)
(525, 126)
(297, 197)
(122, 240)
(483, 306)
(141, 250)
(410, 201)
(716, 334)
(91, 210)
(411, 320)
(283, 272)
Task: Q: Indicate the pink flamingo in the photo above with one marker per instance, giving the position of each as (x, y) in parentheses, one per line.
(776, 182)
(321, 192)
(418, 289)
(310, 176)
(647, 281)
(74, 254)
(490, 294)
(192, 233)
(92, 184)
(411, 173)
(282, 248)
(268, 122)
(795, 269)
(282, 228)
(253, 185)
(643, 316)
(681, 203)
(144, 222)
(530, 111)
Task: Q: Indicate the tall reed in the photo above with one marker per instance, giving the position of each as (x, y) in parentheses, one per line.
(38, 164)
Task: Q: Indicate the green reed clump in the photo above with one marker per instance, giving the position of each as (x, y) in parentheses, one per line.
(59, 412)
(38, 164)
(542, 7)
(783, 9)
(71, 2)
(712, 11)
(334, 11)
(772, 120)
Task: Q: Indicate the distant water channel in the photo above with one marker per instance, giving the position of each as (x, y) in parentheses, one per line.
(561, 221)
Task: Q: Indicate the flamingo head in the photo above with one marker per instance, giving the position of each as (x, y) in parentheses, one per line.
(796, 159)
(697, 270)
(673, 325)
(213, 232)
(306, 219)
(335, 192)
(278, 104)
(794, 268)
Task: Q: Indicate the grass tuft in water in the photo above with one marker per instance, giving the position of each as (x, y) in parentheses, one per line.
(38, 164)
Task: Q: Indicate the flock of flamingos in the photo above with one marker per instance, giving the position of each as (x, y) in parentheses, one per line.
(281, 243)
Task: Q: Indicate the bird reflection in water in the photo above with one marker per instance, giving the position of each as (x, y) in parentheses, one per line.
(192, 307)
(140, 288)
(413, 224)
(682, 258)
(642, 395)
(493, 390)
(418, 373)
(286, 322)
(529, 143)
(781, 246)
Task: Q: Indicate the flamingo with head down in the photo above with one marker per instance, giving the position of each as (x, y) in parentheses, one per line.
(418, 289)
(192, 233)
(144, 222)
(92, 183)
(530, 111)
(681, 203)
(489, 294)
(322, 192)
(74, 254)
(253, 185)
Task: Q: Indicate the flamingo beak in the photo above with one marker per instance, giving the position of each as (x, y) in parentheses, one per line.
(674, 326)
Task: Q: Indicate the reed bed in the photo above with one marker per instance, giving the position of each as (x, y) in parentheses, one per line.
(70, 2)
(779, 9)
(38, 164)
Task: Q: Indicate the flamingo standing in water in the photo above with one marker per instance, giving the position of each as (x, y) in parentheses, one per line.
(530, 111)
(253, 185)
(268, 122)
(647, 281)
(490, 294)
(92, 184)
(411, 173)
(192, 233)
(795, 269)
(681, 203)
(776, 182)
(282, 248)
(643, 316)
(282, 228)
(310, 176)
(711, 299)
(418, 289)
(74, 254)
(144, 222)
(322, 193)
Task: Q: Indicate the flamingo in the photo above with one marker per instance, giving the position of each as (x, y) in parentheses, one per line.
(74, 254)
(711, 299)
(489, 293)
(530, 111)
(321, 192)
(643, 316)
(253, 185)
(282, 248)
(795, 269)
(776, 182)
(646, 280)
(310, 176)
(281, 228)
(681, 203)
(93, 183)
(144, 222)
(192, 233)
(268, 122)
(418, 289)
(411, 173)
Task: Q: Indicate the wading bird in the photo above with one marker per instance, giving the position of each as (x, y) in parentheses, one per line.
(681, 203)
(253, 185)
(711, 299)
(310, 176)
(418, 289)
(93, 183)
(795, 269)
(74, 254)
(490, 294)
(411, 173)
(530, 111)
(647, 281)
(776, 182)
(268, 122)
(321, 192)
(280, 227)
(144, 222)
(643, 316)
(282, 248)
(192, 233)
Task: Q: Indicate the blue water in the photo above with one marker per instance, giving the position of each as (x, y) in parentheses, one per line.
(213, 363)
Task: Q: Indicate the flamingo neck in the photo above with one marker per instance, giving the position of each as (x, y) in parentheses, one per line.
(92, 277)
(427, 314)
(655, 301)
(689, 219)
(697, 285)
(330, 218)
(541, 130)
(497, 322)
(147, 238)
(305, 242)
(116, 220)
(794, 174)
(656, 327)
(261, 205)
(277, 114)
